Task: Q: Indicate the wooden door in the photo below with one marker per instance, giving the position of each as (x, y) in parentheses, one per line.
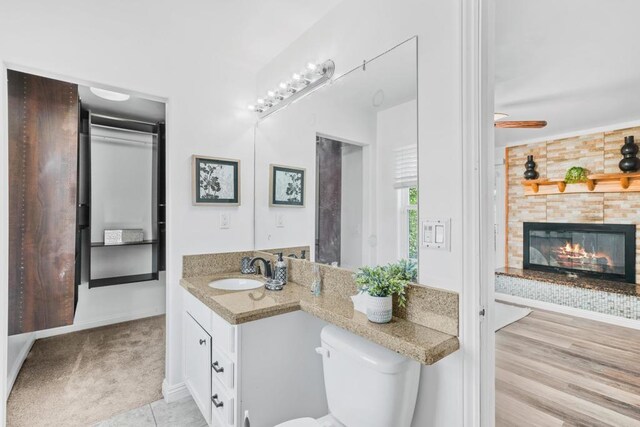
(43, 159)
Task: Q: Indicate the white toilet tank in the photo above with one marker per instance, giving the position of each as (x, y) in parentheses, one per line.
(367, 385)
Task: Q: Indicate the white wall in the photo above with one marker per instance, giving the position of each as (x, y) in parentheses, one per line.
(360, 29)
(397, 127)
(177, 53)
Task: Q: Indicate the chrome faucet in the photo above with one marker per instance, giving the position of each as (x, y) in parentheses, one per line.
(267, 266)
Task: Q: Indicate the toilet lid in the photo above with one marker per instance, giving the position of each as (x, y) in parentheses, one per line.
(300, 422)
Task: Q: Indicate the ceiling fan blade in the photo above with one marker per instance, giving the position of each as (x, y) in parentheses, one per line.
(525, 124)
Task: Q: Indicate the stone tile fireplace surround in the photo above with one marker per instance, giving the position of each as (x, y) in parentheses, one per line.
(599, 153)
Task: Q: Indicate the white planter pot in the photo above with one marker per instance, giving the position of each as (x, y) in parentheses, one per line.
(379, 309)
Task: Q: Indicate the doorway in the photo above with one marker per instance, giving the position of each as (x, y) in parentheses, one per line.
(339, 211)
(86, 185)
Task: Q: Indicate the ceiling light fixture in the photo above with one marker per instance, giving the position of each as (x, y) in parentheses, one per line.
(499, 116)
(300, 85)
(109, 94)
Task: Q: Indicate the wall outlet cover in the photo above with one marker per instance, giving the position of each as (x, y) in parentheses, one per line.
(436, 234)
(280, 220)
(224, 220)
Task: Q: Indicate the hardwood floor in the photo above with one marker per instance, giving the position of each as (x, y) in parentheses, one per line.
(557, 370)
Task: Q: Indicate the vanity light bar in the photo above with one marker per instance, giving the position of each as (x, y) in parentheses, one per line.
(299, 85)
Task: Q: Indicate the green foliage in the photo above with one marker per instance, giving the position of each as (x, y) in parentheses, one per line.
(413, 234)
(575, 174)
(384, 281)
(413, 224)
(413, 195)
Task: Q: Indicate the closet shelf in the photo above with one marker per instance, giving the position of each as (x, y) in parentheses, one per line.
(596, 183)
(121, 280)
(102, 244)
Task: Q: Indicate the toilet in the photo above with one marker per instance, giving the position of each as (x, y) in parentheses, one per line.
(366, 385)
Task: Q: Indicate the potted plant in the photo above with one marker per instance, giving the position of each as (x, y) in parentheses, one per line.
(381, 283)
(575, 174)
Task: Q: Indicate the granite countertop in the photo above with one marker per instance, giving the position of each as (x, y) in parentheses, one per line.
(410, 339)
(577, 282)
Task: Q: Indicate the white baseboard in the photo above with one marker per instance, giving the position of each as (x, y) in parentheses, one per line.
(174, 392)
(571, 311)
(124, 317)
(13, 370)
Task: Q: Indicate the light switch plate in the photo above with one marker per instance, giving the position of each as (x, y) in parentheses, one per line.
(280, 220)
(436, 234)
(224, 220)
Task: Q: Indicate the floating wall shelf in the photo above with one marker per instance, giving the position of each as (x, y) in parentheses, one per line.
(598, 183)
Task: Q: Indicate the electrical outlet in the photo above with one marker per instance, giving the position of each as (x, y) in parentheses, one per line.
(280, 220)
(224, 220)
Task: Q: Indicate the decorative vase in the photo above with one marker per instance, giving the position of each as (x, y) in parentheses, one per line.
(530, 169)
(629, 163)
(379, 309)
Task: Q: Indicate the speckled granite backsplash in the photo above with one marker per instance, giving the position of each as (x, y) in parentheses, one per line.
(208, 264)
(431, 307)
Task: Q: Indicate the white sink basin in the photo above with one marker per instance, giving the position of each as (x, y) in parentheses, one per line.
(236, 284)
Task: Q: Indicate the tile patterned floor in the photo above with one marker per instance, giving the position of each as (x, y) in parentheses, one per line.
(182, 413)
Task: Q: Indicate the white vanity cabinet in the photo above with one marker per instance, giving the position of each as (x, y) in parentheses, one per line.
(266, 370)
(197, 353)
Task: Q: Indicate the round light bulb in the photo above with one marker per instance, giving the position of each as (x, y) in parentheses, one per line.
(311, 66)
(271, 94)
(283, 85)
(261, 101)
(251, 107)
(296, 76)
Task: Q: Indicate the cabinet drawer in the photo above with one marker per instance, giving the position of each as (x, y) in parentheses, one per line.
(223, 333)
(222, 403)
(222, 367)
(200, 312)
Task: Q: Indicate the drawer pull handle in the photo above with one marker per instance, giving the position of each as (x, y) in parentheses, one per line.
(216, 402)
(216, 367)
(203, 342)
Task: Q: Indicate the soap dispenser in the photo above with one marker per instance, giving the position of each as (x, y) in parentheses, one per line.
(280, 270)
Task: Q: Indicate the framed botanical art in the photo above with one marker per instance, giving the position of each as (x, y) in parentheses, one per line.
(216, 181)
(286, 186)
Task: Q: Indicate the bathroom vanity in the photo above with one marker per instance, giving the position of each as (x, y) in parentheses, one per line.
(251, 354)
(336, 176)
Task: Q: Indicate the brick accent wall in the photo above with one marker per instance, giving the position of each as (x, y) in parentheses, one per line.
(599, 153)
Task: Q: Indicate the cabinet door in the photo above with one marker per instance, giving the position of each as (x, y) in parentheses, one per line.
(43, 173)
(197, 354)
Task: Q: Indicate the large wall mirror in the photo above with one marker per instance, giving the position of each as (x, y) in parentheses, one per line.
(337, 170)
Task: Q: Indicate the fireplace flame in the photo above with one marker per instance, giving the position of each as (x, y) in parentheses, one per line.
(576, 253)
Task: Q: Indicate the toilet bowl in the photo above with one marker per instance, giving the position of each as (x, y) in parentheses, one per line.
(366, 385)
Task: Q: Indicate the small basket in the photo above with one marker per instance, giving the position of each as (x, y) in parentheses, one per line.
(123, 236)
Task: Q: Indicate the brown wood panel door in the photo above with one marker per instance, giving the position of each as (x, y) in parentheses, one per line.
(43, 159)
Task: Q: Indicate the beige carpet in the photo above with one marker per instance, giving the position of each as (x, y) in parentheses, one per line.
(84, 377)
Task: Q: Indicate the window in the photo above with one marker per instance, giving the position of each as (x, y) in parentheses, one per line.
(408, 224)
(406, 182)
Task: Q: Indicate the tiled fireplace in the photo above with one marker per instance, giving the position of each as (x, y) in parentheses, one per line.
(576, 249)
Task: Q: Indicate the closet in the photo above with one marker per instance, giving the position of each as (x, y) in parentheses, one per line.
(125, 182)
(73, 173)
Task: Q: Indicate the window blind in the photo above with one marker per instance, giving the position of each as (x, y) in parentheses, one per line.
(406, 166)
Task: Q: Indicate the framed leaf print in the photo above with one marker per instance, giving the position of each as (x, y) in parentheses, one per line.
(216, 181)
(286, 186)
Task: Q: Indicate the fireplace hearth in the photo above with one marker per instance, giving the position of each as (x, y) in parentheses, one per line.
(604, 251)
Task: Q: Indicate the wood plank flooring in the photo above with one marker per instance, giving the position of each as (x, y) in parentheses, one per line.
(558, 370)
